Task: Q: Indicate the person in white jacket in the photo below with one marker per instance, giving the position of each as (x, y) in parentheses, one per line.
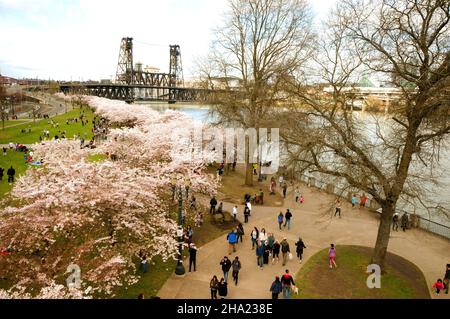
(263, 235)
(235, 213)
(249, 205)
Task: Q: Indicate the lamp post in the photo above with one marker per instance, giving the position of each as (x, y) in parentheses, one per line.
(3, 110)
(179, 270)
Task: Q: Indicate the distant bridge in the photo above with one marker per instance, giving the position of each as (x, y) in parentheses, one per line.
(132, 83)
(136, 92)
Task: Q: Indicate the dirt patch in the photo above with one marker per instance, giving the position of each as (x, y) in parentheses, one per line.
(233, 188)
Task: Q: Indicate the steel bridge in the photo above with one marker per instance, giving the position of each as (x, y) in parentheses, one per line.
(132, 83)
(131, 93)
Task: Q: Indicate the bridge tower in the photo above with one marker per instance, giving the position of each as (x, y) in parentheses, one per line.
(176, 67)
(125, 74)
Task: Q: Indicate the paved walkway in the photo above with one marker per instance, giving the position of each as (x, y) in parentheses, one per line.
(314, 222)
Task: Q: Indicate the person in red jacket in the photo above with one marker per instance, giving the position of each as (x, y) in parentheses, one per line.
(363, 201)
(287, 282)
(438, 286)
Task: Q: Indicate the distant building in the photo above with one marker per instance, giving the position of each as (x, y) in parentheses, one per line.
(151, 69)
(8, 81)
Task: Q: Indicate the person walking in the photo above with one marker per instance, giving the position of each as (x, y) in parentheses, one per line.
(285, 250)
(144, 264)
(249, 205)
(193, 204)
(353, 200)
(284, 190)
(297, 194)
(235, 212)
(446, 280)
(395, 222)
(332, 256)
(187, 186)
(246, 214)
(363, 201)
(1, 173)
(280, 180)
(280, 219)
(240, 232)
(272, 187)
(300, 245)
(338, 208)
(254, 236)
(287, 218)
(287, 282)
(189, 234)
(222, 288)
(236, 266)
(192, 256)
(226, 265)
(276, 288)
(438, 286)
(404, 221)
(276, 251)
(232, 240)
(214, 286)
(261, 196)
(266, 253)
(260, 254)
(220, 209)
(262, 235)
(11, 172)
(271, 241)
(213, 203)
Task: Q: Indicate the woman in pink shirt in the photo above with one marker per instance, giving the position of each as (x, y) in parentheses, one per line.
(332, 256)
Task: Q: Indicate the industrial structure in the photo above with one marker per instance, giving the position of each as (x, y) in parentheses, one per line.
(133, 83)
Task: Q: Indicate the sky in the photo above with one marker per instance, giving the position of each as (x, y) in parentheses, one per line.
(80, 39)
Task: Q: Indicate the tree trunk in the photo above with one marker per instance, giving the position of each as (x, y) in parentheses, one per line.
(248, 164)
(384, 231)
(249, 174)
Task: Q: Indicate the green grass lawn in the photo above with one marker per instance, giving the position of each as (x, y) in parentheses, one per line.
(13, 122)
(152, 281)
(14, 135)
(16, 159)
(401, 280)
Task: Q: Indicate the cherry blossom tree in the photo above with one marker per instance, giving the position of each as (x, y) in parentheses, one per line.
(99, 215)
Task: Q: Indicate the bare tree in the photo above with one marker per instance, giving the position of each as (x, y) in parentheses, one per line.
(261, 43)
(406, 42)
(3, 104)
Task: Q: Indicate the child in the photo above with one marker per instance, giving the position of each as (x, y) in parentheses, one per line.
(332, 256)
(302, 199)
(353, 200)
(199, 219)
(438, 286)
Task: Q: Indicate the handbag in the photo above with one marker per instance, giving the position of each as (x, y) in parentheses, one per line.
(290, 256)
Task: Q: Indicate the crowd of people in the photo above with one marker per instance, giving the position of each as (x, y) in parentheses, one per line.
(270, 250)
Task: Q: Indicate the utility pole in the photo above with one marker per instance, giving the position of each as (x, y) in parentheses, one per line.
(179, 270)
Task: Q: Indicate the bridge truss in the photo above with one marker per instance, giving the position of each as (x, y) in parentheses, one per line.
(132, 83)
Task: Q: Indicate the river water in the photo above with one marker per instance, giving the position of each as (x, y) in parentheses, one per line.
(440, 191)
